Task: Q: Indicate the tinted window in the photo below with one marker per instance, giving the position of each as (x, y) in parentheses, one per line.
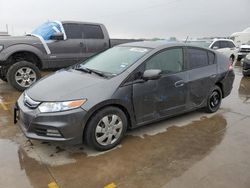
(92, 32)
(211, 58)
(197, 58)
(169, 61)
(216, 44)
(230, 44)
(73, 31)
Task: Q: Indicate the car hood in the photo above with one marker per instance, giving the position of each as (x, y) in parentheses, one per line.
(65, 85)
(245, 46)
(11, 40)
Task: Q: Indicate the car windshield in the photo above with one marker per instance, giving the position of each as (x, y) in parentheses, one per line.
(47, 29)
(204, 44)
(115, 60)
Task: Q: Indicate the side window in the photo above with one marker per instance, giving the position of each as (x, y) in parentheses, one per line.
(197, 58)
(92, 32)
(169, 61)
(224, 44)
(231, 45)
(216, 44)
(73, 31)
(211, 58)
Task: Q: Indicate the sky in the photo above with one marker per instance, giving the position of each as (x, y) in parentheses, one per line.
(133, 18)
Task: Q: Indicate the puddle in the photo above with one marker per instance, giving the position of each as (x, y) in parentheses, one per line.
(149, 162)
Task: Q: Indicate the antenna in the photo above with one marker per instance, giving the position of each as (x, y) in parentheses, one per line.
(186, 39)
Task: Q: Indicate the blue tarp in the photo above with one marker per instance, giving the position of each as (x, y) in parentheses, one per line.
(47, 29)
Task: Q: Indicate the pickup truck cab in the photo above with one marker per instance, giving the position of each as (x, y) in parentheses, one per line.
(52, 45)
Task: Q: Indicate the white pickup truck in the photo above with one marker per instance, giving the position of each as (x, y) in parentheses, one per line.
(225, 46)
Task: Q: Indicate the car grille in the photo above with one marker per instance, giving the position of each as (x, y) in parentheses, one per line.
(245, 50)
(30, 102)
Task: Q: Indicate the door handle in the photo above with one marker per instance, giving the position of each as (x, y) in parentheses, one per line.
(179, 83)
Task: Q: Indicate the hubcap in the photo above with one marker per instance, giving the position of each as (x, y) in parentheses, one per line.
(108, 130)
(215, 99)
(25, 76)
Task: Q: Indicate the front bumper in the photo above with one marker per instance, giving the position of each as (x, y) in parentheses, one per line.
(242, 55)
(69, 125)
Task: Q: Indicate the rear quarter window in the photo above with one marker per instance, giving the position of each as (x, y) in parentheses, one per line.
(197, 58)
(211, 58)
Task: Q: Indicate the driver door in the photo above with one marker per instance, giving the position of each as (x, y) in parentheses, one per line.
(166, 96)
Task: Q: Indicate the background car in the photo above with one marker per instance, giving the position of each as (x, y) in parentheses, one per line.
(246, 66)
(225, 46)
(124, 87)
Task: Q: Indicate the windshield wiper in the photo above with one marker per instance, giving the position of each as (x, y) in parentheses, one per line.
(98, 73)
(84, 69)
(87, 70)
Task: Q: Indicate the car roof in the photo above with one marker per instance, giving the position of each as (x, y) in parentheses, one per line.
(79, 22)
(159, 44)
(229, 40)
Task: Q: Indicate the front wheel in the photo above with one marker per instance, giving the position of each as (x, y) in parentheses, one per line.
(214, 100)
(22, 75)
(106, 128)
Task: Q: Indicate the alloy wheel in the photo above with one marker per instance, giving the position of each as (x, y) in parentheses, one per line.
(108, 130)
(25, 76)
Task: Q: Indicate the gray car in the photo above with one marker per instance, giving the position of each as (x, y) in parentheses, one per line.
(122, 88)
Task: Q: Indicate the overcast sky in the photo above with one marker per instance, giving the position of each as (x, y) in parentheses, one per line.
(133, 18)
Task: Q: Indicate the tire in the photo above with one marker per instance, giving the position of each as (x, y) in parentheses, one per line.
(244, 74)
(214, 100)
(22, 75)
(99, 135)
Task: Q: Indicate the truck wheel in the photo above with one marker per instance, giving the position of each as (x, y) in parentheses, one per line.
(106, 128)
(22, 75)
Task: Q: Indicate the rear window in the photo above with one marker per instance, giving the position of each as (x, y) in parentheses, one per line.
(92, 32)
(197, 58)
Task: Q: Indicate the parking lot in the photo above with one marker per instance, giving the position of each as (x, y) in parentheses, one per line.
(192, 150)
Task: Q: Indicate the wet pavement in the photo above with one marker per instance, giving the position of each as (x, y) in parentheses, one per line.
(191, 150)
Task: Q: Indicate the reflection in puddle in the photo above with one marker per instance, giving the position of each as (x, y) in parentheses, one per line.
(244, 89)
(148, 162)
(10, 166)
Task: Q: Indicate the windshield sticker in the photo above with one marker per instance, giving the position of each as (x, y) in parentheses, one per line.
(141, 50)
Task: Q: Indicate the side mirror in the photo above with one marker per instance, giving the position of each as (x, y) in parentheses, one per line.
(57, 36)
(151, 74)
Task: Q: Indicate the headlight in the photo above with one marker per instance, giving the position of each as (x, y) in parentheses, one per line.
(60, 106)
(1, 48)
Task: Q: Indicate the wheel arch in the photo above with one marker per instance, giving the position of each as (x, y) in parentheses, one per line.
(95, 109)
(26, 56)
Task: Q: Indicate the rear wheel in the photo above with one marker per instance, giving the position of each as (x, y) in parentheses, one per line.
(214, 100)
(106, 129)
(22, 75)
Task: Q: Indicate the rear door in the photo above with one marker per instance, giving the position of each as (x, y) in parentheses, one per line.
(167, 95)
(66, 52)
(202, 75)
(93, 40)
